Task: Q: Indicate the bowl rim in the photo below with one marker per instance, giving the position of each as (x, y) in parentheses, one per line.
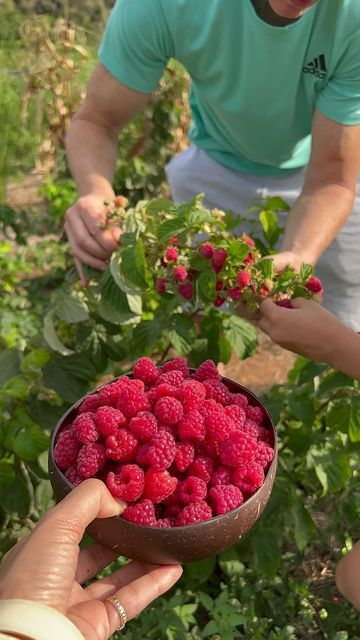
(203, 523)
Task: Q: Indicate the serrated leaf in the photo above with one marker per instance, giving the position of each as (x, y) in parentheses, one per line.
(302, 406)
(16, 498)
(198, 217)
(70, 308)
(182, 333)
(35, 360)
(225, 350)
(277, 204)
(135, 303)
(17, 387)
(266, 266)
(51, 336)
(206, 286)
(159, 204)
(122, 283)
(147, 333)
(237, 250)
(113, 305)
(198, 262)
(304, 527)
(7, 475)
(133, 266)
(306, 270)
(333, 470)
(267, 551)
(210, 628)
(170, 228)
(29, 443)
(69, 377)
(205, 600)
(241, 335)
(270, 226)
(10, 360)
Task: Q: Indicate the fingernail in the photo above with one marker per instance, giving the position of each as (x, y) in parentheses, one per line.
(120, 506)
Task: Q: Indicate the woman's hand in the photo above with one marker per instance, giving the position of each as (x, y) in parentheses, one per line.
(48, 566)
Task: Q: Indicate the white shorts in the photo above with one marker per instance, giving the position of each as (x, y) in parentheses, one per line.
(193, 172)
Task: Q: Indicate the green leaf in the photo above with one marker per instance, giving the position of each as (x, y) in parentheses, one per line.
(333, 470)
(210, 628)
(10, 360)
(304, 527)
(121, 281)
(157, 205)
(225, 350)
(267, 551)
(198, 217)
(302, 406)
(241, 335)
(198, 262)
(266, 266)
(70, 308)
(51, 336)
(354, 420)
(205, 600)
(133, 265)
(147, 333)
(270, 225)
(306, 271)
(69, 377)
(114, 305)
(206, 286)
(35, 360)
(44, 496)
(171, 228)
(344, 416)
(237, 250)
(7, 475)
(17, 387)
(276, 203)
(230, 562)
(182, 333)
(16, 498)
(201, 570)
(30, 443)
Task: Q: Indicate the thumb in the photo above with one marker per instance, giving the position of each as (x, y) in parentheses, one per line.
(299, 303)
(268, 307)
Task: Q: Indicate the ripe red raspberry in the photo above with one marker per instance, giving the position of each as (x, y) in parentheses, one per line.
(171, 254)
(255, 413)
(142, 513)
(249, 258)
(159, 453)
(249, 241)
(108, 420)
(72, 475)
(239, 399)
(221, 475)
(225, 497)
(218, 259)
(180, 273)
(143, 426)
(177, 364)
(210, 448)
(122, 446)
(238, 449)
(314, 285)
(236, 414)
(90, 460)
(243, 278)
(85, 428)
(160, 285)
(218, 425)
(249, 478)
(174, 378)
(109, 395)
(192, 427)
(169, 410)
(219, 285)
(284, 303)
(251, 429)
(165, 523)
(170, 428)
(66, 449)
(146, 370)
(191, 394)
(132, 400)
(184, 455)
(201, 467)
(186, 290)
(159, 485)
(174, 240)
(217, 391)
(264, 291)
(265, 435)
(172, 506)
(91, 403)
(192, 490)
(193, 513)
(128, 484)
(207, 250)
(206, 371)
(264, 454)
(219, 301)
(207, 406)
(163, 390)
(234, 293)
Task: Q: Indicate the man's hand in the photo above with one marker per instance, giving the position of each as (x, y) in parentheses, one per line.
(285, 259)
(91, 242)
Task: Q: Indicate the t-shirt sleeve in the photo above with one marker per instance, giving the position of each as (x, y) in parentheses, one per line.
(340, 98)
(136, 45)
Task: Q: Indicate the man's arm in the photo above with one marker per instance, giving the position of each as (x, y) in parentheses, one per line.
(92, 149)
(328, 194)
(348, 575)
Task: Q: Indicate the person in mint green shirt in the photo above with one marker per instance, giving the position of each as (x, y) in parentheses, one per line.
(275, 103)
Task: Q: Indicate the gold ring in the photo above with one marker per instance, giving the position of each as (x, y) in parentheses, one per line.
(121, 611)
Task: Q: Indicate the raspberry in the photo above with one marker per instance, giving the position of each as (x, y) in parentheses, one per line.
(91, 459)
(249, 478)
(177, 364)
(171, 254)
(66, 449)
(193, 513)
(249, 258)
(219, 301)
(222, 475)
(225, 498)
(128, 484)
(169, 410)
(207, 406)
(174, 240)
(265, 435)
(109, 395)
(218, 259)
(249, 241)
(243, 278)
(264, 454)
(91, 403)
(284, 303)
(192, 490)
(238, 449)
(255, 413)
(72, 475)
(239, 399)
(234, 293)
(143, 426)
(132, 400)
(170, 428)
(186, 290)
(211, 448)
(216, 390)
(201, 467)
(159, 485)
(207, 250)
(122, 446)
(236, 414)
(192, 427)
(172, 506)
(314, 285)
(218, 425)
(206, 371)
(164, 523)
(219, 285)
(142, 513)
(146, 370)
(85, 428)
(184, 455)
(174, 378)
(163, 390)
(160, 452)
(191, 393)
(108, 420)
(251, 429)
(180, 273)
(160, 285)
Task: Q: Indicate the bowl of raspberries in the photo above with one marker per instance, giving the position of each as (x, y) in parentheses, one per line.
(192, 454)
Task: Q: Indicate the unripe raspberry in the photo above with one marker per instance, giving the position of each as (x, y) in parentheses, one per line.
(180, 273)
(243, 278)
(171, 254)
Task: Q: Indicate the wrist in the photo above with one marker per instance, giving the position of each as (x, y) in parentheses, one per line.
(97, 187)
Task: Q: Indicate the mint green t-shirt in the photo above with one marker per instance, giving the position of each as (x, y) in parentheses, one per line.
(254, 87)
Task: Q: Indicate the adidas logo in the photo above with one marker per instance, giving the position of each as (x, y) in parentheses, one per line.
(317, 67)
